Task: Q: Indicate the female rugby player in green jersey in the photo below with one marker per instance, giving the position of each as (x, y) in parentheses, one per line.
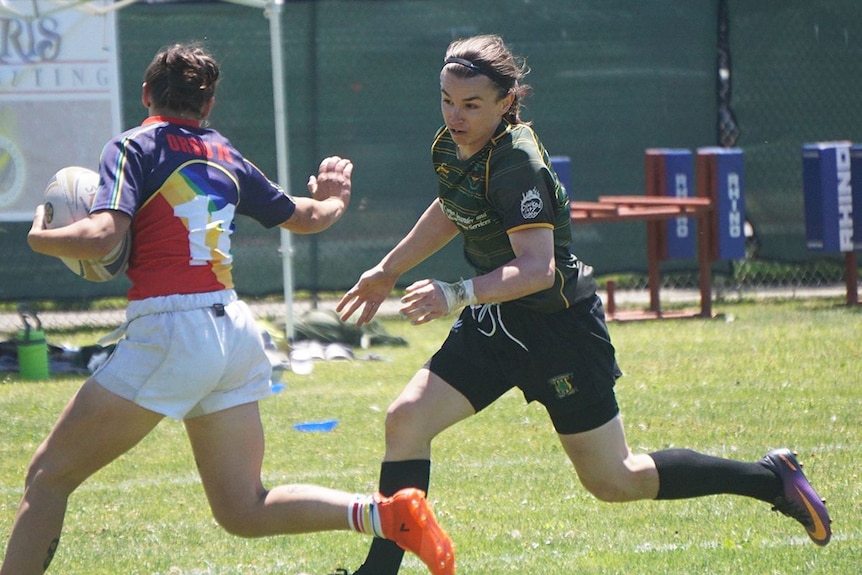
(531, 317)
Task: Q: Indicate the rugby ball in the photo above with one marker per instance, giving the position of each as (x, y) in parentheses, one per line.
(67, 199)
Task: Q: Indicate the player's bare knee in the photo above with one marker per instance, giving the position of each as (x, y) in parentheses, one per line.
(235, 522)
(607, 493)
(610, 489)
(400, 419)
(404, 429)
(238, 528)
(43, 475)
(239, 512)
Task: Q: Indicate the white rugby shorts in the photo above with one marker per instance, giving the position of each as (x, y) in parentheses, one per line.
(188, 355)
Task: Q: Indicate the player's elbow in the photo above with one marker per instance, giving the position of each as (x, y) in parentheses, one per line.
(102, 246)
(543, 276)
(101, 241)
(102, 233)
(548, 276)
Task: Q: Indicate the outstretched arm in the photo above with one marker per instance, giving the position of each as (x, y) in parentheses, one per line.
(531, 271)
(431, 232)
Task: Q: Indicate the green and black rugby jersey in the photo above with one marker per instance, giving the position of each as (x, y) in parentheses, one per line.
(508, 186)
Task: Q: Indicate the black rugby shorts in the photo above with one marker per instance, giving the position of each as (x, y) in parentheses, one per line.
(563, 360)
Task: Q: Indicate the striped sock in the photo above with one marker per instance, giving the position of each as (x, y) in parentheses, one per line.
(364, 516)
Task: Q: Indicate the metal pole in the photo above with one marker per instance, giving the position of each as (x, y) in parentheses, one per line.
(282, 154)
(851, 278)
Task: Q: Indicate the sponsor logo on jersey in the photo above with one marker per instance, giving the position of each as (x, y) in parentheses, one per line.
(467, 222)
(531, 204)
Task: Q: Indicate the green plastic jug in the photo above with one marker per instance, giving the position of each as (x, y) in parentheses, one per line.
(32, 347)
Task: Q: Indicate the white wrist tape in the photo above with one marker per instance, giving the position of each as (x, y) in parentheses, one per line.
(457, 294)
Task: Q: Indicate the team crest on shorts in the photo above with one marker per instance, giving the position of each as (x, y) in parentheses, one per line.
(531, 204)
(563, 385)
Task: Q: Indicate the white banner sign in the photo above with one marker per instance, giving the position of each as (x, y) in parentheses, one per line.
(59, 95)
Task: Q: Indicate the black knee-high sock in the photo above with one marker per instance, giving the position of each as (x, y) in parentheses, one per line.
(384, 556)
(684, 473)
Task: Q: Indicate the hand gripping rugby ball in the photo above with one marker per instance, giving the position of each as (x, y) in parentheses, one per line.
(67, 199)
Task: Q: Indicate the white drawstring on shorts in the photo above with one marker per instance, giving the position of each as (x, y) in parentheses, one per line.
(487, 310)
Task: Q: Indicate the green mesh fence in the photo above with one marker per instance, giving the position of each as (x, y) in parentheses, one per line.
(610, 77)
(797, 79)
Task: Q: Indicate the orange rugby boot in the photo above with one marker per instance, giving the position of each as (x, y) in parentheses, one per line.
(406, 518)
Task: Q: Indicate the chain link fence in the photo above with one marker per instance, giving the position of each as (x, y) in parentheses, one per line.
(611, 78)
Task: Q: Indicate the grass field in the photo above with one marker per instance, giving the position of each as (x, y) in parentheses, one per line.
(766, 375)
